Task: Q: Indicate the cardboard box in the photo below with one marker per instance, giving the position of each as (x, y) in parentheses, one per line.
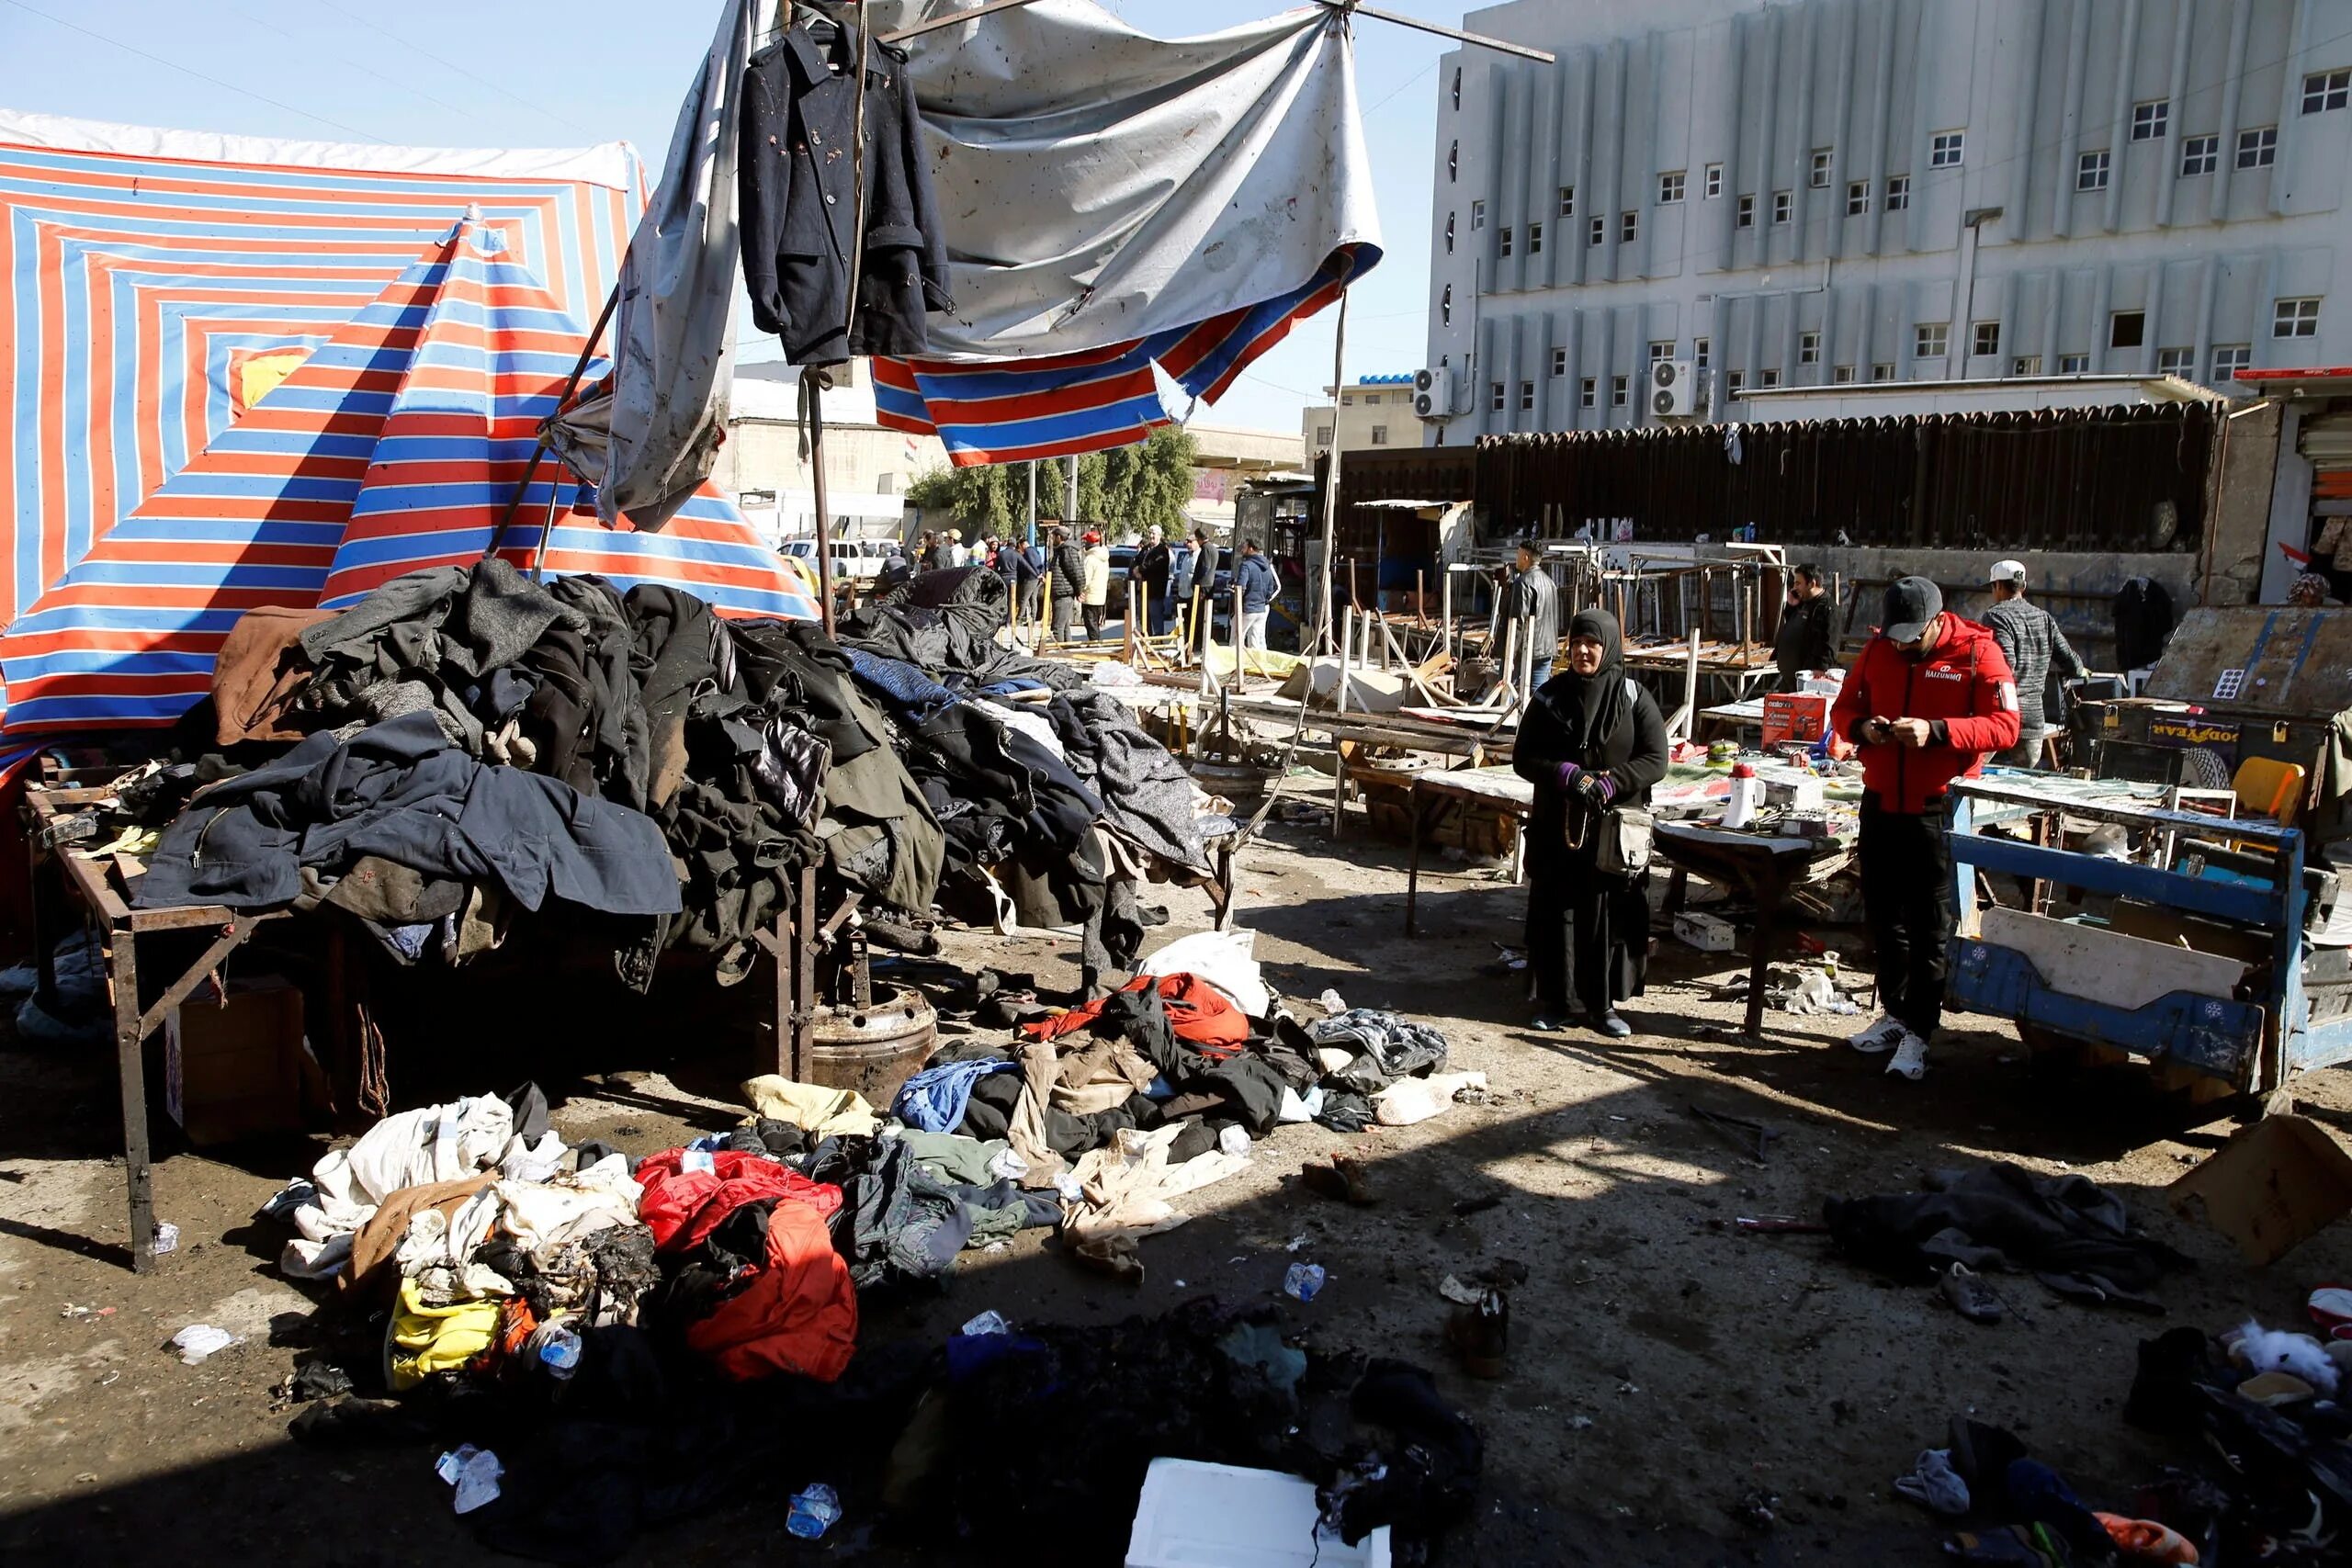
(1793, 715)
(233, 1066)
(2273, 1185)
(1708, 933)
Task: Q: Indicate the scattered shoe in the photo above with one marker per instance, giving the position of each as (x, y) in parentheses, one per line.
(1544, 1023)
(1910, 1057)
(1933, 1484)
(1614, 1027)
(1970, 1296)
(1480, 1335)
(1880, 1037)
(1346, 1177)
(2146, 1540)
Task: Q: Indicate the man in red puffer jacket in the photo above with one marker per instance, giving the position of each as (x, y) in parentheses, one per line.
(1929, 698)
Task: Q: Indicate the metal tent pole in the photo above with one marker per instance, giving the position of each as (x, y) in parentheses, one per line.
(1331, 481)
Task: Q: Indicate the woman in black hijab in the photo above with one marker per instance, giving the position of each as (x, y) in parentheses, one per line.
(1592, 743)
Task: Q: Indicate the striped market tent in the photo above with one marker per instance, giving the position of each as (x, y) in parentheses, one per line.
(1007, 410)
(235, 373)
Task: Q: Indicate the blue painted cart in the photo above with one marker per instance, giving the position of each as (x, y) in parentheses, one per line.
(2237, 1006)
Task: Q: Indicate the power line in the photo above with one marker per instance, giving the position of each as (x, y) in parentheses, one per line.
(190, 71)
(414, 92)
(453, 65)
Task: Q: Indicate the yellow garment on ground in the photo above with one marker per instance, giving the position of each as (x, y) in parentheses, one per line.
(428, 1339)
(818, 1111)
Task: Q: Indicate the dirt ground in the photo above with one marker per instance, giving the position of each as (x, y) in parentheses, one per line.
(1663, 1367)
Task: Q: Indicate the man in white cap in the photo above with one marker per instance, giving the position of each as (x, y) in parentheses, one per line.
(2030, 638)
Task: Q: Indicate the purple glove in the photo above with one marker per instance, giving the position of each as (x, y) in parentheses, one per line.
(1594, 789)
(1568, 771)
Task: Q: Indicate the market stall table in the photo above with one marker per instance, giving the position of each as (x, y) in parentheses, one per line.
(1498, 789)
(92, 885)
(1760, 862)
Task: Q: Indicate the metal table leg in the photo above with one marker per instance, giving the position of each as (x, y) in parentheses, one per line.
(1413, 860)
(130, 1063)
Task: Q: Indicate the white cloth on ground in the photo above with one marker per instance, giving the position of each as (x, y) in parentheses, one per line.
(1226, 960)
(1408, 1100)
(1127, 1187)
(437, 1143)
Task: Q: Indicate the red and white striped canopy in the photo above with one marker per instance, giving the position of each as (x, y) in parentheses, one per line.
(235, 373)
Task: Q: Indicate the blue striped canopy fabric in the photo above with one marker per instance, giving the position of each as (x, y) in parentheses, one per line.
(212, 348)
(153, 283)
(1007, 410)
(395, 445)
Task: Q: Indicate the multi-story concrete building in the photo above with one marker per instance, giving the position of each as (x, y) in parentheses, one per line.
(1827, 191)
(1372, 411)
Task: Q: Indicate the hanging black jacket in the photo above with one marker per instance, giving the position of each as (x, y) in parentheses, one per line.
(799, 198)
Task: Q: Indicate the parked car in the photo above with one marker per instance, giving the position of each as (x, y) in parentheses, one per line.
(854, 560)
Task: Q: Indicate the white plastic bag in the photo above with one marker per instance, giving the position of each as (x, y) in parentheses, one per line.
(1222, 958)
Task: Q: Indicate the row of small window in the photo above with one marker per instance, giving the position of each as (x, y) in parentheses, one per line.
(2258, 149)
(2228, 360)
(2323, 91)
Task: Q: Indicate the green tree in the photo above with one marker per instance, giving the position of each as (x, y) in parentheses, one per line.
(1129, 488)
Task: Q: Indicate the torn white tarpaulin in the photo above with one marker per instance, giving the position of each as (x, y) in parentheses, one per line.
(1123, 213)
(1099, 184)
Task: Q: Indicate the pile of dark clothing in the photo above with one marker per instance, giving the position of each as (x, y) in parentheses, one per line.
(472, 742)
(1045, 787)
(1045, 1434)
(2274, 1479)
(988, 1445)
(2073, 1235)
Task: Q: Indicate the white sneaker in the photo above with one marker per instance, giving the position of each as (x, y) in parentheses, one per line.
(1879, 1038)
(1910, 1057)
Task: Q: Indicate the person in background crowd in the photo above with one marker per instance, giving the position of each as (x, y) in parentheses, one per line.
(895, 571)
(1032, 587)
(1806, 640)
(1535, 603)
(1182, 557)
(2310, 591)
(953, 554)
(1012, 565)
(2036, 651)
(1148, 580)
(1095, 591)
(1261, 584)
(1930, 695)
(1068, 571)
(927, 552)
(1593, 743)
(2332, 554)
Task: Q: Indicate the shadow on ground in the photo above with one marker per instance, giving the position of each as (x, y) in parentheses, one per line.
(1665, 1366)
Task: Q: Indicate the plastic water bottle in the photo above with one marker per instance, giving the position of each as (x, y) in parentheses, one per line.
(558, 1350)
(1303, 1281)
(813, 1512)
(989, 1322)
(1747, 794)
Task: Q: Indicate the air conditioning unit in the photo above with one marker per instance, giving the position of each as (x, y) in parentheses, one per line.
(1674, 389)
(1433, 393)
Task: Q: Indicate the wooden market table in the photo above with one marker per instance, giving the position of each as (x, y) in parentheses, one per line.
(1762, 863)
(97, 886)
(1434, 793)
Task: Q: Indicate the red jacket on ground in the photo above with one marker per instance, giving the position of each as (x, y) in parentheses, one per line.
(1197, 1011)
(797, 1312)
(1964, 685)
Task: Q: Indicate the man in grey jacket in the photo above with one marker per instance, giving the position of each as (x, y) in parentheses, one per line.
(1535, 602)
(2029, 637)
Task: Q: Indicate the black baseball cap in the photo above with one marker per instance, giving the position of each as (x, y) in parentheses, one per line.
(1911, 604)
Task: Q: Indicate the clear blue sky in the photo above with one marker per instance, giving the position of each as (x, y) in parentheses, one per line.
(487, 74)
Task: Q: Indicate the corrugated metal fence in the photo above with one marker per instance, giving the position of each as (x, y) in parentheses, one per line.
(2126, 479)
